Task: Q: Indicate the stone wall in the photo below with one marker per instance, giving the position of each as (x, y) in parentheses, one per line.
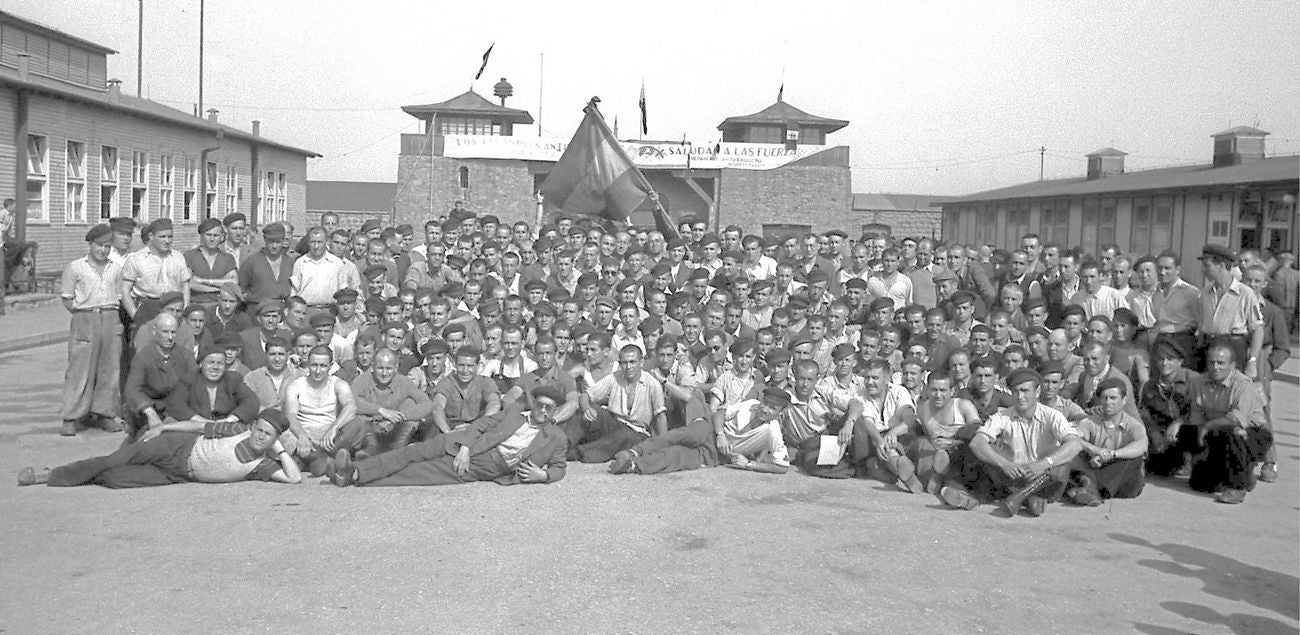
(819, 196)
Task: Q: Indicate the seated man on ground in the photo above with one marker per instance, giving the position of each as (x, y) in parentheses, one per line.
(811, 416)
(155, 372)
(462, 397)
(318, 405)
(621, 410)
(510, 447)
(389, 406)
(949, 422)
(1228, 410)
(888, 416)
(1114, 447)
(212, 393)
(1020, 456)
(1165, 407)
(748, 432)
(224, 452)
(270, 382)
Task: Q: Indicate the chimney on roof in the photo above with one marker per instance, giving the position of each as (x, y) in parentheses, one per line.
(1105, 162)
(257, 128)
(212, 115)
(24, 65)
(114, 90)
(1235, 146)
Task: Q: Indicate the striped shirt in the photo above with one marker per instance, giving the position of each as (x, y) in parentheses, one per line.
(1104, 302)
(91, 287)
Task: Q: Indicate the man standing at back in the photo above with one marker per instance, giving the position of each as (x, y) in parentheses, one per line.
(152, 272)
(90, 294)
(318, 275)
(265, 275)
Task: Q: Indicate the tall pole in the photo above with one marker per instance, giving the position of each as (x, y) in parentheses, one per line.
(139, 53)
(200, 113)
(1042, 150)
(541, 66)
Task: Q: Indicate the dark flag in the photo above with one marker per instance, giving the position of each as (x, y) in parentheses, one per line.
(780, 92)
(644, 126)
(482, 67)
(595, 177)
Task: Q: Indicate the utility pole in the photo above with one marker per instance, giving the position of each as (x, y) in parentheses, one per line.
(139, 53)
(200, 109)
(1042, 150)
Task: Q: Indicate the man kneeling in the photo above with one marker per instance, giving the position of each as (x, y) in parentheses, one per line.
(225, 452)
(510, 447)
(747, 432)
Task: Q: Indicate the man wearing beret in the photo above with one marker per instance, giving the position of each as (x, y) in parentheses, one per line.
(265, 275)
(90, 292)
(190, 451)
(1020, 456)
(153, 271)
(210, 265)
(269, 316)
(236, 242)
(510, 447)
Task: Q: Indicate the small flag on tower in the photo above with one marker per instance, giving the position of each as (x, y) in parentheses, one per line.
(644, 127)
(780, 92)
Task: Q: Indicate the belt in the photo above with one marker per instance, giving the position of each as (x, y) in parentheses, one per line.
(97, 309)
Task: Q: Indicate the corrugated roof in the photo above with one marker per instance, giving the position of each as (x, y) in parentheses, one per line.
(133, 105)
(781, 112)
(470, 104)
(350, 196)
(5, 16)
(898, 202)
(1271, 169)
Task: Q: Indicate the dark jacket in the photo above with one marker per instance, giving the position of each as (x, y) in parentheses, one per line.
(547, 450)
(190, 398)
(151, 378)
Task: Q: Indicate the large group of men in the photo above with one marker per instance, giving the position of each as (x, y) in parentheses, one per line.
(497, 351)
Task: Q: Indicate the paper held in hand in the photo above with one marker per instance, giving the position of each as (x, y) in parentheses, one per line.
(831, 451)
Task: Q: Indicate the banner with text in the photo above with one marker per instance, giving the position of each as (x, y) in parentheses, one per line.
(645, 154)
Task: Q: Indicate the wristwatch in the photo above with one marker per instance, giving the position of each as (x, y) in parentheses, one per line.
(1050, 462)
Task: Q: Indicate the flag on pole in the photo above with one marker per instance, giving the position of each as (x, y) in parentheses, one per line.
(482, 67)
(780, 92)
(595, 177)
(644, 128)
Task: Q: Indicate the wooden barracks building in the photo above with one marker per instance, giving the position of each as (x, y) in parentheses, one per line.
(1240, 199)
(773, 171)
(78, 151)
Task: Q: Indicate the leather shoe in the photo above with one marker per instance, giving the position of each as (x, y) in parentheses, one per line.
(1011, 504)
(1083, 496)
(622, 463)
(341, 472)
(110, 424)
(1268, 473)
(1231, 497)
(958, 497)
(29, 476)
(1035, 506)
(69, 428)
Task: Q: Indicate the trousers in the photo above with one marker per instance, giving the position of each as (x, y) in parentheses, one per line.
(988, 483)
(1121, 478)
(1229, 459)
(686, 448)
(427, 463)
(162, 461)
(92, 381)
(608, 435)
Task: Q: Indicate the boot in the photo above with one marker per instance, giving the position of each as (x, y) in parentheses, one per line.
(1017, 498)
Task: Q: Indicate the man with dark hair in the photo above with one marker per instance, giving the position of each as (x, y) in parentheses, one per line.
(91, 384)
(318, 405)
(389, 406)
(1114, 445)
(265, 275)
(1230, 311)
(620, 410)
(1020, 456)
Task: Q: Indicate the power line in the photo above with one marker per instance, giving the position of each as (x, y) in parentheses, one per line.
(368, 144)
(935, 166)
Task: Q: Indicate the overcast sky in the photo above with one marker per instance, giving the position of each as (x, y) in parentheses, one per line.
(942, 97)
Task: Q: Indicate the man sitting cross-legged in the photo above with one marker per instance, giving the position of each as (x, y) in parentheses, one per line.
(621, 410)
(1114, 446)
(222, 452)
(1030, 462)
(949, 423)
(318, 405)
(811, 415)
(510, 447)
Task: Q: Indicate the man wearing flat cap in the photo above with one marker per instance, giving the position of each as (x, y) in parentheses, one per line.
(236, 242)
(269, 316)
(123, 230)
(210, 265)
(266, 275)
(514, 446)
(90, 292)
(152, 272)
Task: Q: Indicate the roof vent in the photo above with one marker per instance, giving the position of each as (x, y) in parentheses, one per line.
(212, 115)
(115, 91)
(1105, 162)
(24, 65)
(1235, 146)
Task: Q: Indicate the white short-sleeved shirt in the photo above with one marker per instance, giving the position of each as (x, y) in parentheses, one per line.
(1029, 439)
